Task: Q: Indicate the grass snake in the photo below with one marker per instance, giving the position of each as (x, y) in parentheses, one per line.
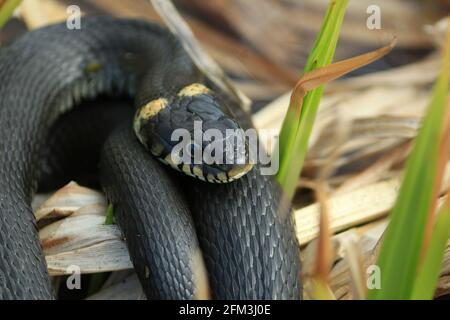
(243, 231)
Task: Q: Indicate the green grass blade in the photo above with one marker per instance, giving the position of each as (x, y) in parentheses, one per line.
(109, 215)
(399, 258)
(7, 10)
(297, 126)
(428, 276)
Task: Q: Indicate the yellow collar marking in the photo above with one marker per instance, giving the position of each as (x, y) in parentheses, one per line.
(194, 89)
(152, 108)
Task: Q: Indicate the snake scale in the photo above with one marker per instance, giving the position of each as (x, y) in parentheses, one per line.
(244, 233)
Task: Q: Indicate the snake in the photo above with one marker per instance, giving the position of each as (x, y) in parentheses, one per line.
(230, 216)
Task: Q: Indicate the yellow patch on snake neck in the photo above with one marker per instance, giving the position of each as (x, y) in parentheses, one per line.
(194, 89)
(152, 108)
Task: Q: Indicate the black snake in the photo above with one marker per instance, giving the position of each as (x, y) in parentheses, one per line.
(244, 233)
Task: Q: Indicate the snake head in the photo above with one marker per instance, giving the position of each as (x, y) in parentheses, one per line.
(192, 133)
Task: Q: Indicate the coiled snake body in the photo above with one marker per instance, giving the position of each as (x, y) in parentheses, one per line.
(246, 239)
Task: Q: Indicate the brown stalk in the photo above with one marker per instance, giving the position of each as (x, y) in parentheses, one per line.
(324, 251)
(315, 78)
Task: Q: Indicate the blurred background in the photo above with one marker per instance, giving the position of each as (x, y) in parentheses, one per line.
(263, 45)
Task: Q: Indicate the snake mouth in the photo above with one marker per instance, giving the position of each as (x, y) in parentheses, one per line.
(208, 173)
(213, 174)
